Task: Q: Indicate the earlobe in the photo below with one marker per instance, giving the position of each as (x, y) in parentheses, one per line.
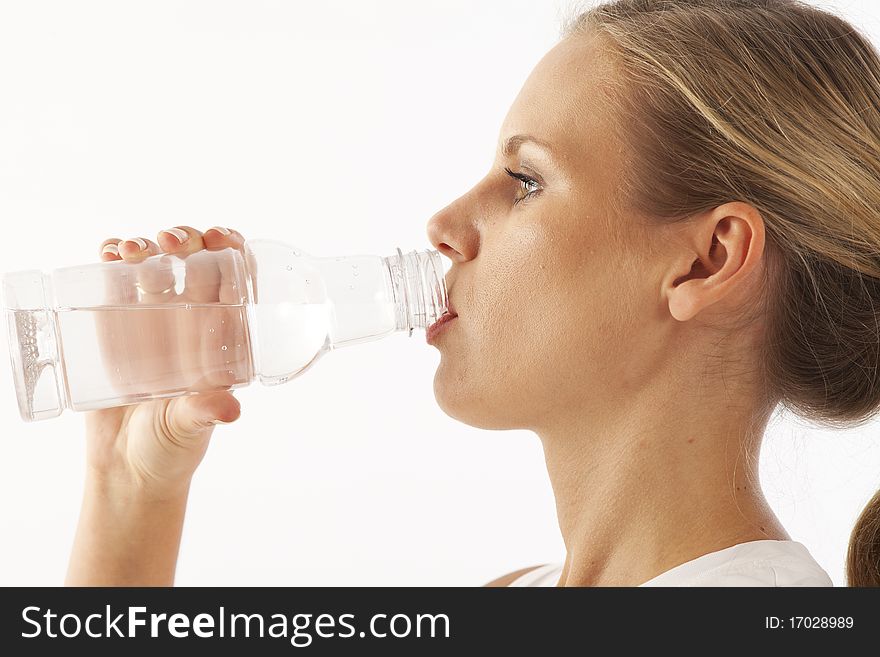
(682, 302)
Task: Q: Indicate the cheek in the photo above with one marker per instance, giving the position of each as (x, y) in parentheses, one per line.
(512, 283)
(562, 320)
(527, 315)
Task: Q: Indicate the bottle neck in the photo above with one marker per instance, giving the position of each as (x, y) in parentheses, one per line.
(418, 288)
(365, 298)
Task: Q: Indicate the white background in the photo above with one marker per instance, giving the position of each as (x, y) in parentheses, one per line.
(340, 127)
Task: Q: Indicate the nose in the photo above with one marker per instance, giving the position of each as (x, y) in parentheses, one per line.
(452, 235)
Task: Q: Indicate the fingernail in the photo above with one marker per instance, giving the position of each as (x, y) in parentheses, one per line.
(219, 422)
(110, 248)
(180, 235)
(140, 243)
(221, 230)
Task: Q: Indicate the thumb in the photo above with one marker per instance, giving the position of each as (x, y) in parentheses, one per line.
(190, 416)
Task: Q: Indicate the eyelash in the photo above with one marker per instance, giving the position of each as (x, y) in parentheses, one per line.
(524, 179)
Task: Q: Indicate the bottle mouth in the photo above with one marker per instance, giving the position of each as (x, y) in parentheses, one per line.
(420, 286)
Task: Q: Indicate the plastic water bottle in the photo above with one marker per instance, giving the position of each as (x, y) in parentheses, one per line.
(115, 333)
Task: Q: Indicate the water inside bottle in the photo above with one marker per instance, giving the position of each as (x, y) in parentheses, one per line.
(116, 355)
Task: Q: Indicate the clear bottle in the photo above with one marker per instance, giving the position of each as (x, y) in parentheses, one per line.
(115, 333)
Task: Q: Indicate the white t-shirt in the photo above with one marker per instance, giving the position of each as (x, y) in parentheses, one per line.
(754, 563)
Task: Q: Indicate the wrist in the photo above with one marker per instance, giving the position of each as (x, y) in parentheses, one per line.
(126, 486)
(128, 533)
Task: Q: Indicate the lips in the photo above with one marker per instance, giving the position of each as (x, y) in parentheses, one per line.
(438, 326)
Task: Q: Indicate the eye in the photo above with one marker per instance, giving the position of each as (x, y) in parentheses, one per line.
(528, 185)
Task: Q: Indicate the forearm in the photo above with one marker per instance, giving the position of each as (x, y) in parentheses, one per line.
(126, 537)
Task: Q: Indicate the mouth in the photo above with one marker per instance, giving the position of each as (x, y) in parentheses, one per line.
(440, 324)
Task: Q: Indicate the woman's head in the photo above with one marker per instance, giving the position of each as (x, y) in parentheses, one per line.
(711, 212)
(541, 278)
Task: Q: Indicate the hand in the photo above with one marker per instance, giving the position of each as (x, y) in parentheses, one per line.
(156, 445)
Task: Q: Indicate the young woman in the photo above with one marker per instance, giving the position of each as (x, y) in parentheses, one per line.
(679, 234)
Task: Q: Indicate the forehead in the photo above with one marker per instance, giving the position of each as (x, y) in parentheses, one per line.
(563, 101)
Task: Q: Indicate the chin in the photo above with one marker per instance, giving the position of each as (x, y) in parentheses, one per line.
(469, 404)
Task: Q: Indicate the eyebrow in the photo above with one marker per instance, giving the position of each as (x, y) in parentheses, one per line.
(512, 144)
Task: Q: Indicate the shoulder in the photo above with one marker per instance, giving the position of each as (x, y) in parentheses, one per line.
(505, 580)
(754, 563)
(763, 574)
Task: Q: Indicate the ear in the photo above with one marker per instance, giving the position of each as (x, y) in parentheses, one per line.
(723, 247)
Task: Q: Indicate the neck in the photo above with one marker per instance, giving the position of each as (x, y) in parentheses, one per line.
(655, 486)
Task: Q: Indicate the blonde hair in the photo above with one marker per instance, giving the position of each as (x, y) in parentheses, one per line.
(775, 103)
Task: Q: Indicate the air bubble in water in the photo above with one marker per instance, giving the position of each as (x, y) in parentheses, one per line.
(223, 347)
(210, 330)
(289, 268)
(308, 282)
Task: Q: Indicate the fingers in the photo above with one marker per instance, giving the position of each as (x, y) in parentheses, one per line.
(232, 286)
(210, 281)
(202, 275)
(155, 278)
(205, 281)
(218, 237)
(136, 249)
(190, 416)
(181, 240)
(109, 249)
